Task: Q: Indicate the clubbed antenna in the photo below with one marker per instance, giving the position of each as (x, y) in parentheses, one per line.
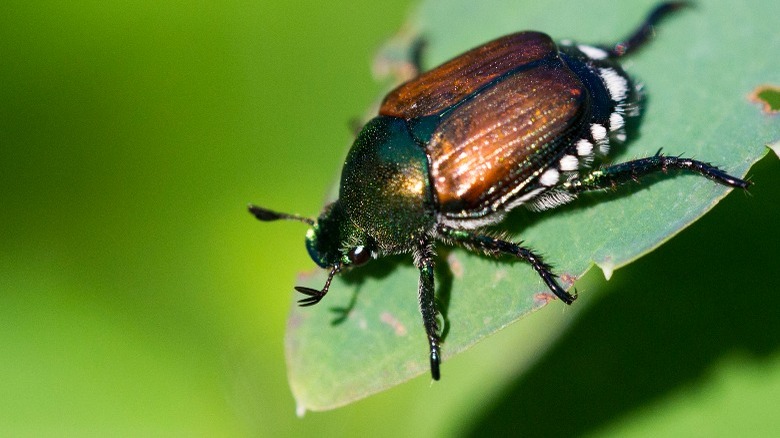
(266, 215)
(316, 295)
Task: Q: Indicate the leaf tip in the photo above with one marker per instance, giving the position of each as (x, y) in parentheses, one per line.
(300, 409)
(608, 267)
(775, 147)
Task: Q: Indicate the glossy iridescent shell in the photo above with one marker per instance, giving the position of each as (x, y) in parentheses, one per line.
(504, 114)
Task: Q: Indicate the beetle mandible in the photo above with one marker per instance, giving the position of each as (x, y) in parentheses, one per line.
(516, 121)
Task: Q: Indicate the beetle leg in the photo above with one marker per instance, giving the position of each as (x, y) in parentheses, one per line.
(612, 176)
(355, 126)
(423, 259)
(645, 30)
(493, 246)
(418, 48)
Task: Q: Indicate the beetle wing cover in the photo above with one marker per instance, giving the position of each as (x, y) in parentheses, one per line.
(441, 88)
(490, 149)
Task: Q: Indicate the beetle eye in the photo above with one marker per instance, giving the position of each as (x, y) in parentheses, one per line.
(359, 255)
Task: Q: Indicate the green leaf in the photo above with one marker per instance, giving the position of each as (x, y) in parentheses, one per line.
(698, 73)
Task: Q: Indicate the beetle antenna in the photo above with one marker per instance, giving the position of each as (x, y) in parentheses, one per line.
(316, 295)
(266, 215)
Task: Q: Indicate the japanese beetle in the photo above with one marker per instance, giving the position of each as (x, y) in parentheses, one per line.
(516, 121)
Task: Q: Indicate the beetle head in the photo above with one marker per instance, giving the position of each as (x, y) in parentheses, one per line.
(333, 242)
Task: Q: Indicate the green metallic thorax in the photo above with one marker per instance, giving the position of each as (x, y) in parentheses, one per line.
(385, 199)
(385, 191)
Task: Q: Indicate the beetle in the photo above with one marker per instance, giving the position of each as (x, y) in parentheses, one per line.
(517, 121)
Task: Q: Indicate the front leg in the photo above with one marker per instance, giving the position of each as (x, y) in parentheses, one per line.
(423, 259)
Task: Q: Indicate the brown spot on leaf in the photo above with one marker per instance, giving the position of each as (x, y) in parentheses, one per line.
(499, 275)
(389, 319)
(543, 298)
(568, 279)
(308, 274)
(456, 267)
(295, 320)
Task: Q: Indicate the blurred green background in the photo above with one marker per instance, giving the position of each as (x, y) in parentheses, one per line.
(138, 297)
